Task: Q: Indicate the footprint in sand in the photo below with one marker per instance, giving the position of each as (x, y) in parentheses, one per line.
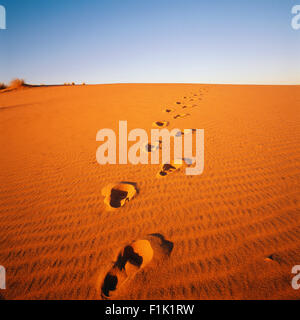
(151, 147)
(273, 258)
(180, 116)
(116, 195)
(168, 110)
(160, 124)
(189, 131)
(177, 133)
(132, 259)
(178, 102)
(181, 133)
(168, 168)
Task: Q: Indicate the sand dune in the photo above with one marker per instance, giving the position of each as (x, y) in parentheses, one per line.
(234, 230)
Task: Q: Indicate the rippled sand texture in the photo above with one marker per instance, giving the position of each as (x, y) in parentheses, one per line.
(234, 231)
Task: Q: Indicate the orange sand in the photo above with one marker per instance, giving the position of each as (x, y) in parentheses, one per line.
(57, 240)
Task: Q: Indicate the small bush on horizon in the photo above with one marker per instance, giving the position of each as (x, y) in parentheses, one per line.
(17, 83)
(2, 86)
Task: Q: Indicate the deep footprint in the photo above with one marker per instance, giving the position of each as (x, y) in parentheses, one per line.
(132, 259)
(116, 195)
(148, 147)
(168, 168)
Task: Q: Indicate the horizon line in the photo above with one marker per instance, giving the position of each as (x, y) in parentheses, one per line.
(176, 83)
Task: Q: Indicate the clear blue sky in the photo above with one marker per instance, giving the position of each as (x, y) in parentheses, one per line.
(108, 41)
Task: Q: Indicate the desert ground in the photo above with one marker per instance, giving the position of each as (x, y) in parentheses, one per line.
(232, 232)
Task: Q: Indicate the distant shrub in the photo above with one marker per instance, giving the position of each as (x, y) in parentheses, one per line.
(2, 86)
(73, 83)
(16, 83)
(83, 83)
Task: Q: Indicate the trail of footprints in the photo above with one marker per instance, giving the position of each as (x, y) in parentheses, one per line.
(42, 247)
(117, 195)
(153, 249)
(136, 256)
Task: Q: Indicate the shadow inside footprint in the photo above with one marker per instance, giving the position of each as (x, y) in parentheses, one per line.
(168, 168)
(274, 257)
(180, 116)
(130, 260)
(116, 195)
(148, 147)
(160, 124)
(109, 284)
